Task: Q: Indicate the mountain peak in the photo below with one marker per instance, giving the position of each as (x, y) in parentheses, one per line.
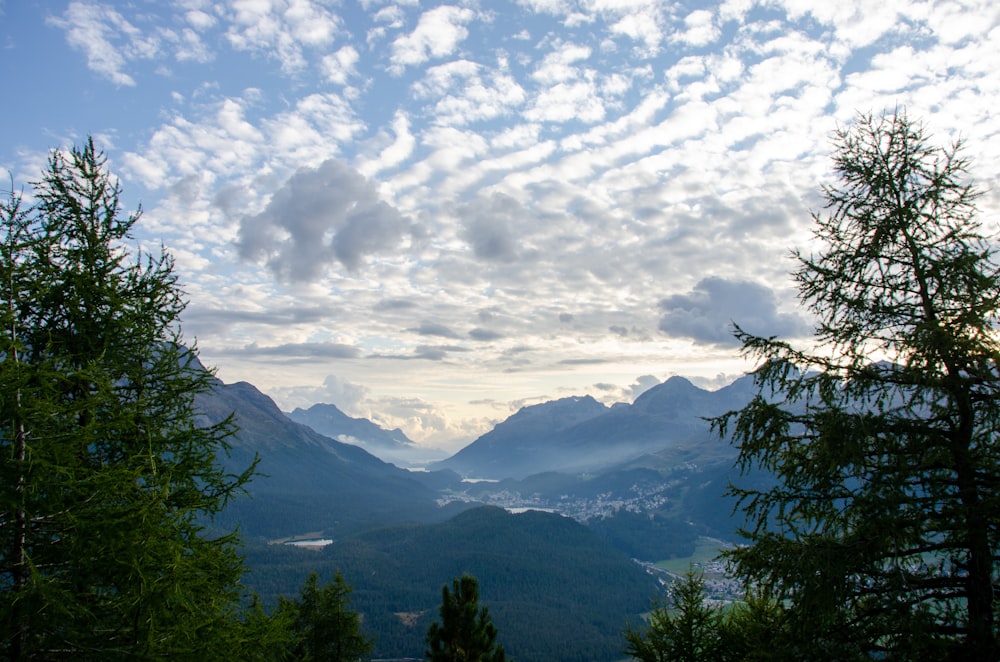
(520, 442)
(565, 411)
(578, 433)
(329, 420)
(675, 392)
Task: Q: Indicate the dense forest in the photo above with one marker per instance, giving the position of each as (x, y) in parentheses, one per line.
(554, 590)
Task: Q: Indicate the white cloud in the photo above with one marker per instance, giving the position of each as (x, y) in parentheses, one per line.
(451, 150)
(440, 79)
(393, 16)
(200, 20)
(462, 92)
(700, 29)
(547, 6)
(558, 65)
(643, 26)
(368, 5)
(735, 10)
(399, 150)
(340, 66)
(311, 23)
(312, 130)
(107, 39)
(281, 29)
(567, 101)
(857, 23)
(438, 33)
(222, 142)
(187, 46)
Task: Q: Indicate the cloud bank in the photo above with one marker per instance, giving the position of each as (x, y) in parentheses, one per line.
(708, 312)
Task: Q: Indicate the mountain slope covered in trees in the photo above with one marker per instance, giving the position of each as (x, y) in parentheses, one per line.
(555, 590)
(309, 482)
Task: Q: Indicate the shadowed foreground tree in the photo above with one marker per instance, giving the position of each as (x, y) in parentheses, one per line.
(691, 629)
(880, 535)
(105, 480)
(322, 624)
(690, 632)
(465, 633)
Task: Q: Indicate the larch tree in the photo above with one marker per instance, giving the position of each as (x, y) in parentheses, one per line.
(106, 483)
(880, 533)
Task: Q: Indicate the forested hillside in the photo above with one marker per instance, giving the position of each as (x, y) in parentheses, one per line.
(555, 590)
(308, 482)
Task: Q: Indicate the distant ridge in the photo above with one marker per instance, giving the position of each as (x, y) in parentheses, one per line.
(389, 445)
(307, 481)
(328, 420)
(520, 445)
(579, 434)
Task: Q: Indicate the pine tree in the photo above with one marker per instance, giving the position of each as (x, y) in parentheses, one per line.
(881, 533)
(106, 483)
(466, 633)
(690, 632)
(693, 630)
(323, 624)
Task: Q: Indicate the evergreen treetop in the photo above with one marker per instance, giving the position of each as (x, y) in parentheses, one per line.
(465, 633)
(881, 533)
(106, 483)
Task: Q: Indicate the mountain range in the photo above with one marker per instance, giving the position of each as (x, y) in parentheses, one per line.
(580, 435)
(307, 481)
(638, 481)
(573, 455)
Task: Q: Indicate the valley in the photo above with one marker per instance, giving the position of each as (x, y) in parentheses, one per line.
(622, 500)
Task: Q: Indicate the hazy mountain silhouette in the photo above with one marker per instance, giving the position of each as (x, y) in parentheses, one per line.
(328, 420)
(389, 445)
(574, 435)
(526, 442)
(307, 481)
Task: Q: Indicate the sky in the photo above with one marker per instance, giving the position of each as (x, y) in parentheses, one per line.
(431, 214)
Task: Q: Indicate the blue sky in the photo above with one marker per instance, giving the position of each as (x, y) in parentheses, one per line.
(433, 213)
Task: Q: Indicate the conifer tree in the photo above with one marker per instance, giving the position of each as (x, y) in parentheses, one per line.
(466, 633)
(691, 628)
(689, 632)
(882, 531)
(322, 623)
(106, 483)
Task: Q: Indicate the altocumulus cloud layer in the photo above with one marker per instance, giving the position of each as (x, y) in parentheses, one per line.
(432, 213)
